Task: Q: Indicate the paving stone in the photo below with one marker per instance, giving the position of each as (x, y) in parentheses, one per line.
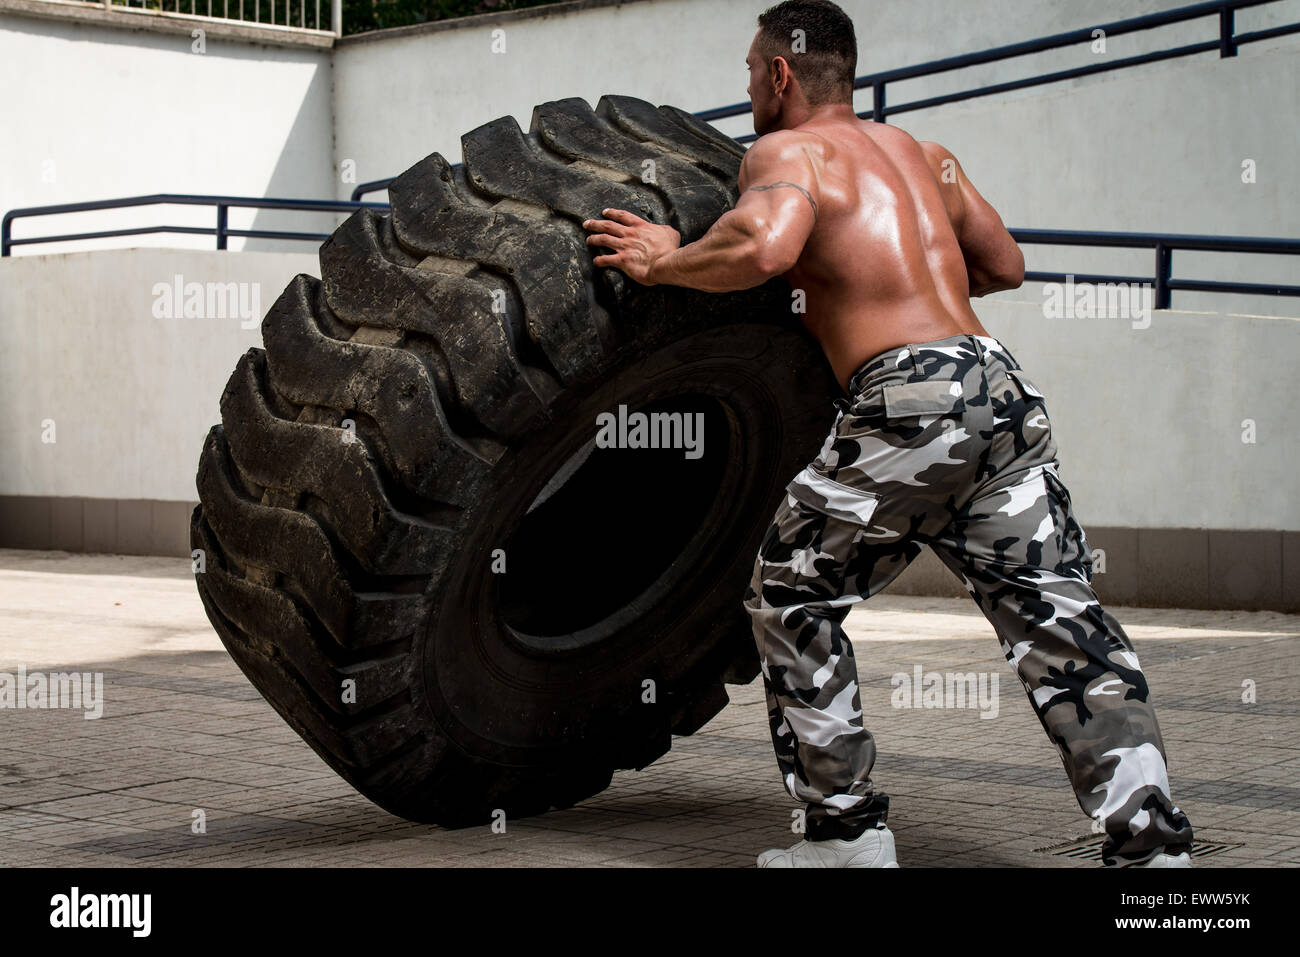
(185, 730)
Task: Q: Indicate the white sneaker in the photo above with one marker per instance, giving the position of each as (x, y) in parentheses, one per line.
(1168, 860)
(873, 848)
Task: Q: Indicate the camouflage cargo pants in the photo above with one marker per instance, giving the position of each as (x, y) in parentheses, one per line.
(947, 444)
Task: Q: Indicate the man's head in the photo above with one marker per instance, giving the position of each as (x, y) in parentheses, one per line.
(804, 55)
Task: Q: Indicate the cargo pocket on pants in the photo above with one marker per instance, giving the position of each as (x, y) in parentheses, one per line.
(833, 498)
(1027, 388)
(930, 397)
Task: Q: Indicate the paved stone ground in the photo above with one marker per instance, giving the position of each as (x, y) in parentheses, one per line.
(183, 730)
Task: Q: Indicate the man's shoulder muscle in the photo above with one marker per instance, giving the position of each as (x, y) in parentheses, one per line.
(779, 153)
(943, 164)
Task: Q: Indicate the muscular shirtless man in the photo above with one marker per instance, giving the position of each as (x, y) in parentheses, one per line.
(941, 440)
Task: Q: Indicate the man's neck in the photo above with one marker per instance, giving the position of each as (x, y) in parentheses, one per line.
(802, 114)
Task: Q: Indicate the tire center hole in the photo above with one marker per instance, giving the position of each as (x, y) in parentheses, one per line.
(614, 519)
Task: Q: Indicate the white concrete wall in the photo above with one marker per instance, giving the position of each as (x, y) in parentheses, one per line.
(1149, 421)
(92, 112)
(131, 395)
(401, 95)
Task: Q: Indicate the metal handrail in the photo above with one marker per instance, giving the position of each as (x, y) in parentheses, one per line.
(1226, 43)
(1164, 244)
(221, 230)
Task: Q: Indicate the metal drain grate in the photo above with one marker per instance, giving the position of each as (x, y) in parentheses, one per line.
(1089, 849)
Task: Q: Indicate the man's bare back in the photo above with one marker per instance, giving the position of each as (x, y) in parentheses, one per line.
(882, 266)
(885, 236)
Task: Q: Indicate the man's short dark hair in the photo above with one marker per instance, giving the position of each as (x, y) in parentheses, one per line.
(816, 38)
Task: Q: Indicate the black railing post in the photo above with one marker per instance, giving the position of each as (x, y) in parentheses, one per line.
(375, 185)
(4, 234)
(221, 225)
(878, 101)
(1227, 46)
(1164, 269)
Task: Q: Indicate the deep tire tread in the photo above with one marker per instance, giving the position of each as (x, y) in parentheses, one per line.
(444, 331)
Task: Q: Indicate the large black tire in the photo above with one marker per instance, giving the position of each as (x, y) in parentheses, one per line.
(378, 462)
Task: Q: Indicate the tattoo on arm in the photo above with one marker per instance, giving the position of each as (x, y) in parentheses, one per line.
(780, 183)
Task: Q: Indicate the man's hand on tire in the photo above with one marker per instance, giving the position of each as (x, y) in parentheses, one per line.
(638, 245)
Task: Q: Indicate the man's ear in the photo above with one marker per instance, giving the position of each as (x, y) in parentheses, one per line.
(780, 70)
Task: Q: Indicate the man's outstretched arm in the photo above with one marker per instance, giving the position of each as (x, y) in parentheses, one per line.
(761, 237)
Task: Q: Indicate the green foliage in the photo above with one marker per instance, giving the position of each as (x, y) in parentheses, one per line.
(362, 15)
